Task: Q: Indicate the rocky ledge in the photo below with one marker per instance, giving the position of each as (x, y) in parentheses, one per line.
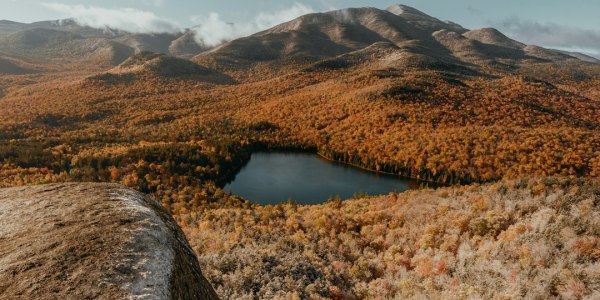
(90, 241)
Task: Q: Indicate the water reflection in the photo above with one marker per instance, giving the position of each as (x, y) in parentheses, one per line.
(271, 178)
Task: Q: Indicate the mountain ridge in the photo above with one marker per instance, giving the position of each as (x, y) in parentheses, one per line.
(418, 36)
(165, 66)
(310, 37)
(514, 128)
(66, 40)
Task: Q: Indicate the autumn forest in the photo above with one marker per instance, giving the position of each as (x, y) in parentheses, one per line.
(512, 145)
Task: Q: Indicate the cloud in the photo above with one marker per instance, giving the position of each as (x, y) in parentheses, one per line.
(266, 20)
(128, 19)
(212, 30)
(331, 4)
(552, 35)
(474, 11)
(156, 3)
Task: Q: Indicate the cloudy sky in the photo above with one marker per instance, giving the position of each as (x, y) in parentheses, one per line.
(570, 25)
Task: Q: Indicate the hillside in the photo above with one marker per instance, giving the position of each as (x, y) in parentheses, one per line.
(514, 129)
(186, 46)
(306, 39)
(581, 56)
(148, 64)
(421, 40)
(43, 46)
(65, 41)
(492, 36)
(523, 239)
(11, 67)
(93, 241)
(470, 113)
(39, 37)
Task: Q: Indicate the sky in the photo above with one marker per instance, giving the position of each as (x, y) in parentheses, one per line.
(569, 25)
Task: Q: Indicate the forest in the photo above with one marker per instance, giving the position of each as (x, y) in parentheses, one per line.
(530, 239)
(512, 148)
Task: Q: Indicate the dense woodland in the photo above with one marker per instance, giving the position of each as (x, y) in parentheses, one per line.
(183, 139)
(516, 239)
(429, 125)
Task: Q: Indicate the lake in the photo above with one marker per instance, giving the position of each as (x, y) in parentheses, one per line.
(272, 178)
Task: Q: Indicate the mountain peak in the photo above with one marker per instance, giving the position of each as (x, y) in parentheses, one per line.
(157, 64)
(494, 37)
(416, 16)
(160, 64)
(8, 22)
(399, 9)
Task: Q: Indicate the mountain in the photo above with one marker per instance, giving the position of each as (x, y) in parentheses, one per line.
(492, 36)
(39, 37)
(93, 241)
(580, 56)
(12, 67)
(67, 41)
(108, 51)
(8, 27)
(42, 44)
(321, 35)
(186, 45)
(161, 65)
(515, 127)
(420, 41)
(158, 43)
(422, 20)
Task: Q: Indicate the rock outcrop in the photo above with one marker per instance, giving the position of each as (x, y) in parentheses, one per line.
(90, 241)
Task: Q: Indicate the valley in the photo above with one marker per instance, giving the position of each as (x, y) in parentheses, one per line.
(506, 135)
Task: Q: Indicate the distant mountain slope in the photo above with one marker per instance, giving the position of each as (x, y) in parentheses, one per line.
(38, 37)
(580, 56)
(329, 34)
(158, 43)
(10, 67)
(70, 25)
(110, 51)
(422, 41)
(161, 65)
(493, 37)
(186, 45)
(67, 40)
(422, 20)
(42, 45)
(7, 27)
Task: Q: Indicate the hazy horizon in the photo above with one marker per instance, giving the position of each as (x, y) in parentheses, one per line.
(570, 26)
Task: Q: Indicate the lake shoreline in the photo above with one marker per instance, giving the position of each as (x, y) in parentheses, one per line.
(272, 177)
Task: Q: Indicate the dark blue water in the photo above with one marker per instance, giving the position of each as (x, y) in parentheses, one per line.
(272, 178)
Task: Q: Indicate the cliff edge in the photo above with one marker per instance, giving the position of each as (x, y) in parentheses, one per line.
(90, 241)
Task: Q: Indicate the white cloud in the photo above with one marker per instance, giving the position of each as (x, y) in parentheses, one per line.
(156, 3)
(266, 20)
(552, 35)
(332, 4)
(213, 30)
(128, 19)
